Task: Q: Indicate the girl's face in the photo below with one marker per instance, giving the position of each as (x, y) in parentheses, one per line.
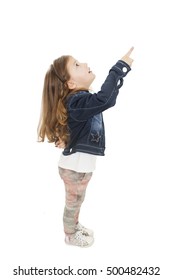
(80, 74)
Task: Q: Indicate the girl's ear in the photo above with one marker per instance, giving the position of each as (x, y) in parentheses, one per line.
(71, 84)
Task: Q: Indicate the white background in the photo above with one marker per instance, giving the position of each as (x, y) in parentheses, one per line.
(129, 201)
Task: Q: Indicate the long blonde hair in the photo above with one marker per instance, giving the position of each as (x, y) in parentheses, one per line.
(53, 117)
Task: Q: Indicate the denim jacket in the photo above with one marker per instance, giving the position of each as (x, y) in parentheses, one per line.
(85, 119)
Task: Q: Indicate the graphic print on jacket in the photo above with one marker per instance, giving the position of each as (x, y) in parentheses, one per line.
(96, 128)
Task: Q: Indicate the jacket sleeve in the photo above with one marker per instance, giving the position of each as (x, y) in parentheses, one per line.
(83, 105)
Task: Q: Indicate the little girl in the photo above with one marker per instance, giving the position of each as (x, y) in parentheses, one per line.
(71, 117)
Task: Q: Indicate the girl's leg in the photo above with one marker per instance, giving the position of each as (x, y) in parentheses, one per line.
(75, 188)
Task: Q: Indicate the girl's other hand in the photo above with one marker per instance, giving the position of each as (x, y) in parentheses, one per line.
(60, 144)
(126, 58)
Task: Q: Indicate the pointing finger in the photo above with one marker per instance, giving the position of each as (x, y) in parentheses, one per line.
(130, 51)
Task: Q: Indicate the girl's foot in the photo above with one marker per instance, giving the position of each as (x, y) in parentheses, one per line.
(79, 239)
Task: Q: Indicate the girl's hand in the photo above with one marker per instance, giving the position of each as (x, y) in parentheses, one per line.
(60, 144)
(126, 58)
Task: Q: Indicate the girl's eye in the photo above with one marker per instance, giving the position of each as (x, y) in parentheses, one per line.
(77, 64)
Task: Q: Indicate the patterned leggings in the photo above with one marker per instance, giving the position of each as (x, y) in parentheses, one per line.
(75, 188)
